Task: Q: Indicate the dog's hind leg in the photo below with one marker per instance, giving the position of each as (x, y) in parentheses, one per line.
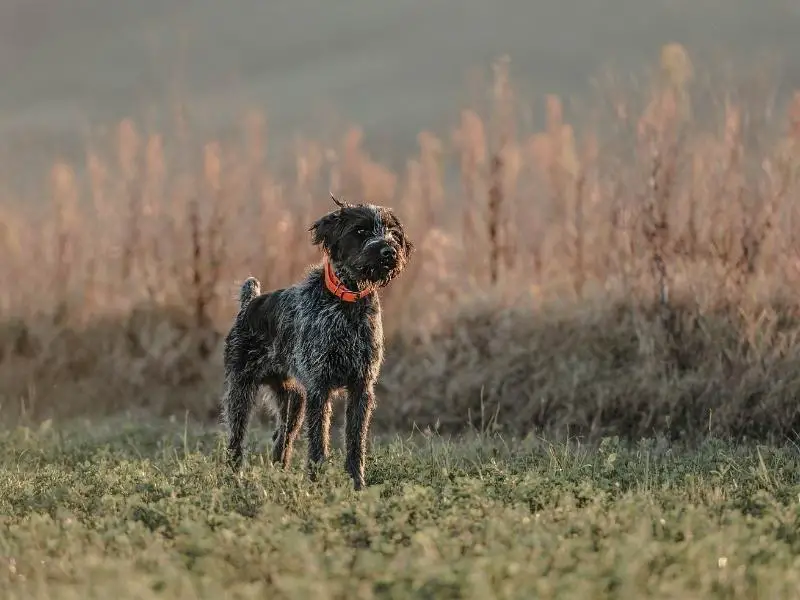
(291, 408)
(237, 405)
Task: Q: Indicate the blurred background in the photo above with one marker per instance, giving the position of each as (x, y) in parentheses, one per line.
(68, 68)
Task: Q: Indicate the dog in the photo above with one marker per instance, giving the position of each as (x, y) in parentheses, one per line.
(319, 336)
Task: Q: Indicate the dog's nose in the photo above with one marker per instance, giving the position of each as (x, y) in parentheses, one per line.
(388, 252)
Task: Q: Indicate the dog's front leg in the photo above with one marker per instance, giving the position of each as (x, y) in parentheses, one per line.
(318, 418)
(360, 404)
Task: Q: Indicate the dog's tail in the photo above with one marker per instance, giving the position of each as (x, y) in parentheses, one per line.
(249, 290)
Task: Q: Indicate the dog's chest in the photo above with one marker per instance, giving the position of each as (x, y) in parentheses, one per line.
(343, 346)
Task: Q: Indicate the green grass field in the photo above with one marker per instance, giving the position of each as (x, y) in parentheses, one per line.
(130, 510)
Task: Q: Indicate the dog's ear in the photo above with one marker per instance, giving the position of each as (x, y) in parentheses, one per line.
(405, 241)
(325, 230)
(409, 246)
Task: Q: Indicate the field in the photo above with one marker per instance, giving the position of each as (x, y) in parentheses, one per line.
(127, 510)
(591, 375)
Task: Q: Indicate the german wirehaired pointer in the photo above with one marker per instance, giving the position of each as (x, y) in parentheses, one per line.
(318, 336)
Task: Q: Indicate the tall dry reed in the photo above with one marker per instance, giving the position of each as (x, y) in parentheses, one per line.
(564, 273)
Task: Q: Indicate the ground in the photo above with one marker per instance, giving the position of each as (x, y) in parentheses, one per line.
(127, 509)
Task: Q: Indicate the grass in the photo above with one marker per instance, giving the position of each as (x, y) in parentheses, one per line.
(128, 509)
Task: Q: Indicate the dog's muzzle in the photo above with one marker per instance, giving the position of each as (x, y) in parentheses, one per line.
(387, 254)
(383, 255)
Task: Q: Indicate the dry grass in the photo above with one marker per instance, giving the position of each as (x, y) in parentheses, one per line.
(631, 277)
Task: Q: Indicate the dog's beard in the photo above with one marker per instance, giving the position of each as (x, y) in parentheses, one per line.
(371, 272)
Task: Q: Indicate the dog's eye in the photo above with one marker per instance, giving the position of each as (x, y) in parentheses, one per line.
(362, 232)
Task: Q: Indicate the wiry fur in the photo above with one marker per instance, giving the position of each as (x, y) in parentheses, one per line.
(303, 343)
(249, 290)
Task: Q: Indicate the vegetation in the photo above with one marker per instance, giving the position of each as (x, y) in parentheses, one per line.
(621, 283)
(127, 510)
(630, 273)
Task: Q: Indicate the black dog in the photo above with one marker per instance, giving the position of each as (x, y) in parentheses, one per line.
(318, 336)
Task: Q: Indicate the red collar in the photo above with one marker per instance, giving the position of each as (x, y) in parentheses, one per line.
(337, 288)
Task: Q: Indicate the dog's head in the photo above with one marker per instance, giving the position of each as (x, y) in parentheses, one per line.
(366, 243)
